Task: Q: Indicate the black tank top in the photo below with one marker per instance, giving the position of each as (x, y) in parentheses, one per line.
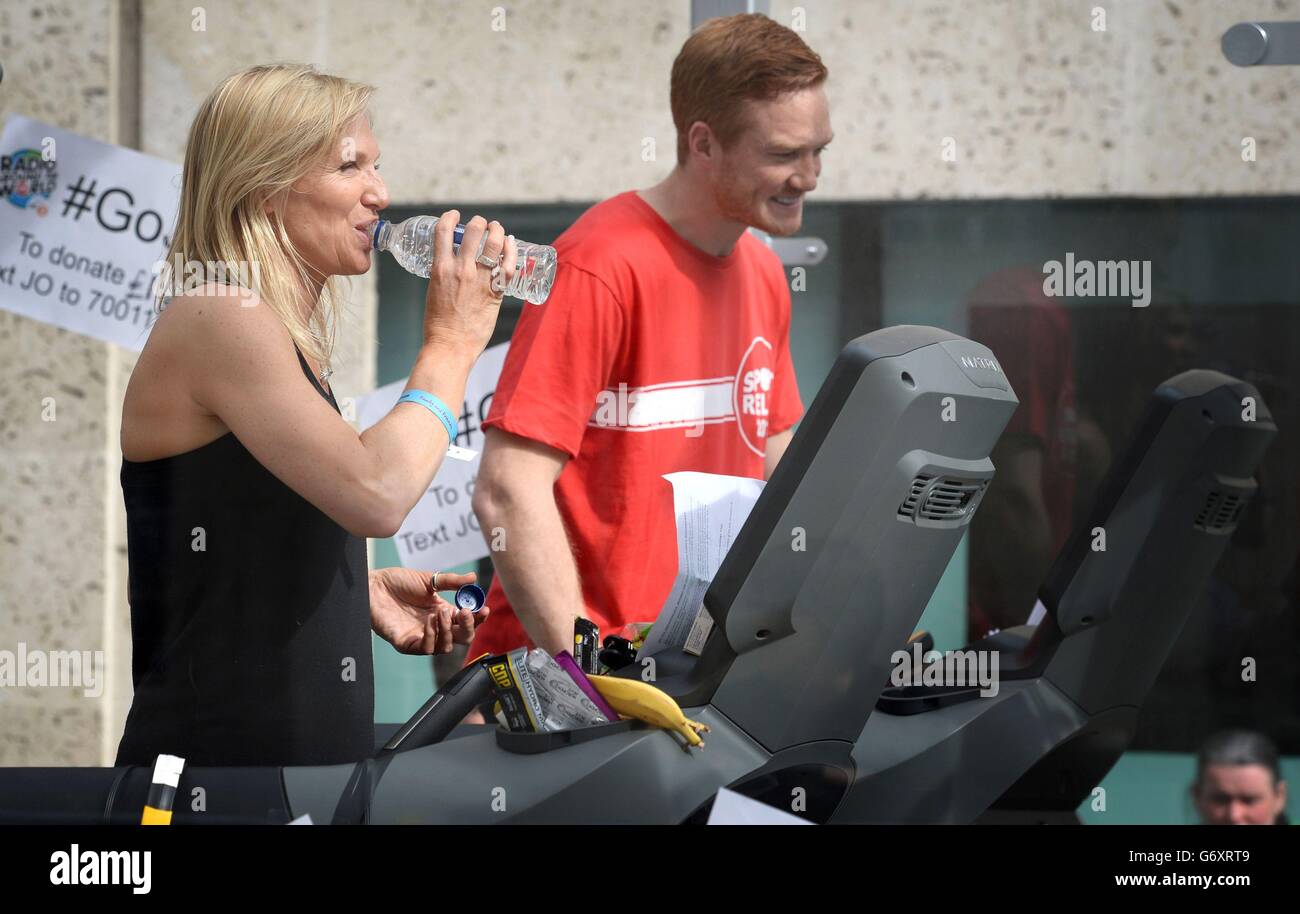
(250, 616)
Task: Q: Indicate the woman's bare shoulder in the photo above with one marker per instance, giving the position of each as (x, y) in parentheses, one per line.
(215, 313)
(208, 299)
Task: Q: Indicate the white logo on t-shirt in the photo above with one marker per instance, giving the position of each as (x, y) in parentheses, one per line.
(744, 398)
(753, 394)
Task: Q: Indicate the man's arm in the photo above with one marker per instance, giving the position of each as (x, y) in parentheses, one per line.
(776, 446)
(515, 492)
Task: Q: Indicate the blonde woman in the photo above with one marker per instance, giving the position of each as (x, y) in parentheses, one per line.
(248, 497)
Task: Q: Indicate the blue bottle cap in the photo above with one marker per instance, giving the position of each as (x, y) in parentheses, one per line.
(470, 597)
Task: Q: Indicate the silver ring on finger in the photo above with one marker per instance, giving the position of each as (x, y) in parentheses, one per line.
(489, 262)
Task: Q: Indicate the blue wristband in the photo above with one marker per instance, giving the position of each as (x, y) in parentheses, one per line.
(435, 406)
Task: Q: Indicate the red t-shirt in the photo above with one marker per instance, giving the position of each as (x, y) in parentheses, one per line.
(649, 357)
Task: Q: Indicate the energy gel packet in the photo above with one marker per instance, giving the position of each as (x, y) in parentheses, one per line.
(564, 704)
(513, 687)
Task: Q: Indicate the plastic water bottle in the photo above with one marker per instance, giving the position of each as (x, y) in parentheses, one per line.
(411, 243)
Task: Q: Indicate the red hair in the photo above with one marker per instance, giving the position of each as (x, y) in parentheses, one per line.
(733, 59)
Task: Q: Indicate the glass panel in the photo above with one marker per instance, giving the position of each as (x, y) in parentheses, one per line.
(1222, 286)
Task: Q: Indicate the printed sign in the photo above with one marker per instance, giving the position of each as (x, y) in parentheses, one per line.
(441, 531)
(82, 224)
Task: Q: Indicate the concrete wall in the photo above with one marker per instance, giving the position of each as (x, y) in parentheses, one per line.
(559, 105)
(57, 535)
(1040, 105)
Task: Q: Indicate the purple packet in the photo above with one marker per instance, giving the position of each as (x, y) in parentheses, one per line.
(570, 666)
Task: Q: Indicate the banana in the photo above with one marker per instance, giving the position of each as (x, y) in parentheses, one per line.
(634, 698)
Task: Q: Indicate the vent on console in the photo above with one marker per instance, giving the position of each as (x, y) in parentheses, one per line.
(1220, 512)
(941, 501)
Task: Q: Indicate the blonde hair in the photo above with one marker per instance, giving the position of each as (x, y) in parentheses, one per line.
(258, 133)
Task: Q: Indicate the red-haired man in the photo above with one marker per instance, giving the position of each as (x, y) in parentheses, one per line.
(664, 346)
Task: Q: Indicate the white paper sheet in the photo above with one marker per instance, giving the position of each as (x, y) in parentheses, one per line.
(710, 510)
(1037, 613)
(731, 808)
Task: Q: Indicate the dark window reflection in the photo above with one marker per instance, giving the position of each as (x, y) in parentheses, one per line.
(1223, 291)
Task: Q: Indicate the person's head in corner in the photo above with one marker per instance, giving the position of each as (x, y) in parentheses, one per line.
(1238, 781)
(752, 118)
